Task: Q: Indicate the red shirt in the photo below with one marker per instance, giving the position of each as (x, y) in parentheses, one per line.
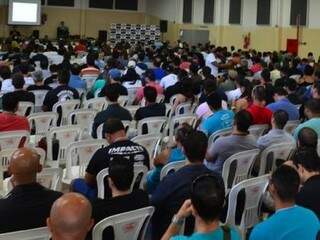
(80, 48)
(12, 122)
(140, 94)
(260, 115)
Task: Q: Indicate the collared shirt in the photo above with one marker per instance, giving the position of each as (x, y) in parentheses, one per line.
(274, 136)
(260, 115)
(285, 105)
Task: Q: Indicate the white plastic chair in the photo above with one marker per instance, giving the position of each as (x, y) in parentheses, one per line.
(177, 121)
(151, 143)
(291, 126)
(66, 108)
(123, 100)
(185, 109)
(50, 178)
(173, 99)
(83, 118)
(25, 109)
(90, 80)
(171, 167)
(140, 173)
(39, 98)
(153, 125)
(254, 189)
(221, 133)
(97, 104)
(78, 155)
(271, 154)
(132, 91)
(41, 123)
(64, 136)
(126, 226)
(132, 109)
(5, 156)
(258, 130)
(244, 163)
(13, 139)
(32, 234)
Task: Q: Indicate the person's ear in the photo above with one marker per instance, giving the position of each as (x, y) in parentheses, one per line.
(91, 224)
(194, 211)
(110, 182)
(49, 224)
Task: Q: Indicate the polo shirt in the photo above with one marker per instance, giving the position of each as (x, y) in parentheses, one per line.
(152, 110)
(13, 122)
(76, 82)
(260, 115)
(285, 105)
(169, 80)
(294, 223)
(313, 123)
(215, 235)
(217, 121)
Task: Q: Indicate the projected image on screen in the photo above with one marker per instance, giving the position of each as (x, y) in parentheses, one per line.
(24, 12)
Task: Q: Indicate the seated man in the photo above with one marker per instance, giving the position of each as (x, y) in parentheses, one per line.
(75, 80)
(70, 217)
(9, 121)
(276, 134)
(53, 79)
(113, 77)
(206, 205)
(307, 138)
(174, 189)
(91, 68)
(28, 205)
(150, 80)
(260, 114)
(123, 200)
(114, 132)
(289, 221)
(38, 82)
(240, 140)
(19, 93)
(152, 108)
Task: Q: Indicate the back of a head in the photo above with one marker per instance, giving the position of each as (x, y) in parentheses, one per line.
(214, 101)
(54, 68)
(121, 173)
(286, 182)
(259, 93)
(150, 75)
(75, 69)
(195, 147)
(24, 68)
(70, 217)
(308, 158)
(281, 92)
(265, 74)
(112, 92)
(313, 105)
(281, 118)
(209, 85)
(37, 76)
(64, 76)
(307, 137)
(90, 59)
(291, 84)
(18, 81)
(9, 102)
(243, 121)
(183, 132)
(207, 197)
(150, 94)
(308, 70)
(112, 125)
(5, 72)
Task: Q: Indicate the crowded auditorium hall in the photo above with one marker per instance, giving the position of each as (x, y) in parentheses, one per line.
(159, 120)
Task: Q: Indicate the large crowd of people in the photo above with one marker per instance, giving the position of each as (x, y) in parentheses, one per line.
(227, 88)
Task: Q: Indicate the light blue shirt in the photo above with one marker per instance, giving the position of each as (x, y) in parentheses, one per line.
(274, 136)
(287, 106)
(218, 120)
(313, 123)
(295, 223)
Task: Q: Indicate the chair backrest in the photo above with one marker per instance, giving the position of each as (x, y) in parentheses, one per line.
(173, 99)
(66, 108)
(153, 125)
(32, 234)
(132, 91)
(238, 167)
(90, 79)
(83, 118)
(13, 139)
(270, 155)
(140, 174)
(5, 156)
(177, 121)
(254, 189)
(42, 122)
(39, 98)
(185, 108)
(126, 226)
(258, 130)
(50, 178)
(25, 109)
(97, 104)
(150, 141)
(221, 133)
(171, 167)
(132, 109)
(123, 100)
(291, 126)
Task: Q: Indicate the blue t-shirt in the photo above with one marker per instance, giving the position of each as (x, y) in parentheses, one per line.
(295, 223)
(216, 235)
(219, 120)
(77, 82)
(286, 106)
(313, 123)
(159, 73)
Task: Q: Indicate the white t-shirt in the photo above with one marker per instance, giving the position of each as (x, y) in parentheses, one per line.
(210, 59)
(7, 86)
(168, 81)
(28, 81)
(234, 94)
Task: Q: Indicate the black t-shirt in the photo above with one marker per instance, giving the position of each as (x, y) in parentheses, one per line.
(23, 96)
(52, 79)
(36, 88)
(60, 94)
(40, 58)
(123, 91)
(154, 110)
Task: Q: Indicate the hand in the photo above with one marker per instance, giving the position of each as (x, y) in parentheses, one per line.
(186, 209)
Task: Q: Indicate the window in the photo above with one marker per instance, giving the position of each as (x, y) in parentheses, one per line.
(263, 12)
(298, 9)
(208, 11)
(127, 4)
(66, 3)
(106, 4)
(235, 11)
(187, 11)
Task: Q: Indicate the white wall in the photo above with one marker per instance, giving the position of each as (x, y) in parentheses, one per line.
(170, 10)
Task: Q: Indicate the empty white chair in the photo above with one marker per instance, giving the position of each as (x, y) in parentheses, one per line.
(39, 98)
(78, 155)
(171, 167)
(140, 174)
(90, 80)
(221, 133)
(83, 118)
(13, 139)
(258, 130)
(254, 189)
(66, 108)
(153, 125)
(270, 155)
(32, 234)
(97, 104)
(126, 226)
(185, 108)
(25, 109)
(243, 162)
(151, 143)
(291, 126)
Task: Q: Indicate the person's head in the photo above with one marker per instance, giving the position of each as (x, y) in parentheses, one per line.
(307, 162)
(24, 68)
(265, 76)
(242, 121)
(75, 69)
(120, 174)
(316, 90)
(62, 23)
(214, 101)
(279, 119)
(54, 69)
(114, 75)
(307, 138)
(207, 198)
(259, 95)
(284, 184)
(91, 59)
(18, 81)
(113, 129)
(312, 108)
(291, 85)
(64, 77)
(150, 94)
(112, 92)
(279, 94)
(10, 103)
(37, 76)
(70, 217)
(183, 133)
(308, 70)
(195, 147)
(24, 166)
(209, 86)
(5, 72)
(149, 76)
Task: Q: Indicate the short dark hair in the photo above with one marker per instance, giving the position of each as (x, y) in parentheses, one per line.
(91, 59)
(214, 100)
(24, 68)
(259, 93)
(291, 84)
(150, 75)
(307, 137)
(150, 94)
(54, 68)
(18, 81)
(243, 120)
(121, 173)
(64, 76)
(5, 72)
(112, 92)
(9, 102)
(281, 118)
(281, 91)
(308, 70)
(75, 69)
(313, 105)
(286, 182)
(265, 74)
(195, 146)
(208, 196)
(209, 85)
(183, 132)
(112, 125)
(308, 158)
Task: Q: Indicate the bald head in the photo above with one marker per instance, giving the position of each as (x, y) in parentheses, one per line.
(70, 217)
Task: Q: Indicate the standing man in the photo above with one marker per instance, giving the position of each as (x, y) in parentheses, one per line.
(62, 31)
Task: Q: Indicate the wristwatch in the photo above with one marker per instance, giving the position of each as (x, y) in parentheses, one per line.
(177, 221)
